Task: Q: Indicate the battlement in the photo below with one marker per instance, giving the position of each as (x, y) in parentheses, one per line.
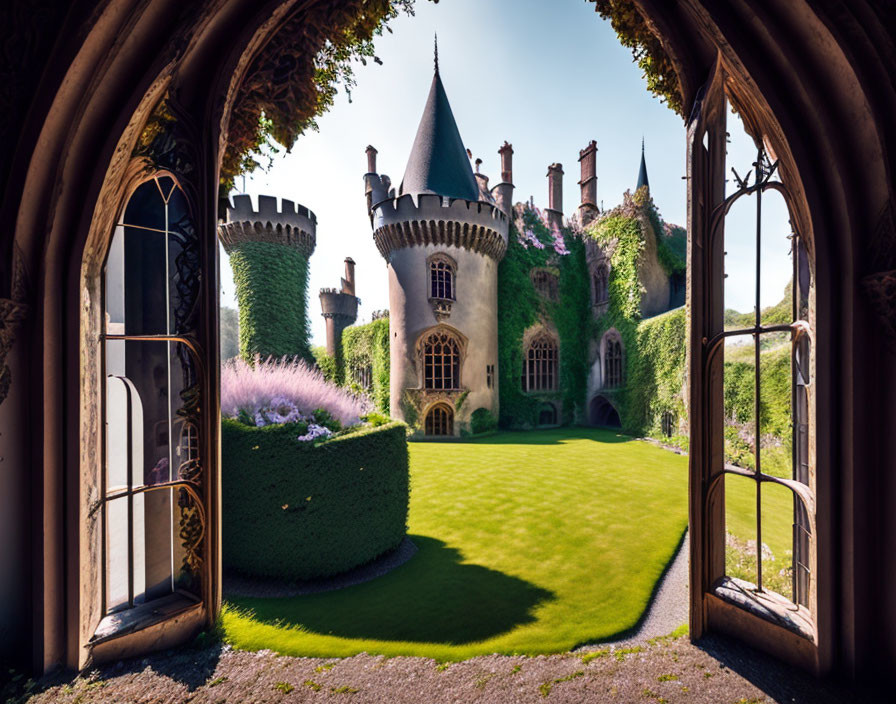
(286, 223)
(432, 207)
(336, 303)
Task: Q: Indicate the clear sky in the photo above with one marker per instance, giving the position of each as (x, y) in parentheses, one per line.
(547, 76)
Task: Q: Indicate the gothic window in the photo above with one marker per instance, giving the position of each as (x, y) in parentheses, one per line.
(441, 277)
(151, 510)
(612, 362)
(545, 283)
(600, 283)
(490, 375)
(440, 420)
(540, 364)
(441, 361)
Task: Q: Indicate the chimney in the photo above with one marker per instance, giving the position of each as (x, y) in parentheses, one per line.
(588, 184)
(371, 159)
(348, 283)
(503, 192)
(555, 195)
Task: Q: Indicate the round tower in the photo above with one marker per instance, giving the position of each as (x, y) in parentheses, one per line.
(339, 306)
(442, 235)
(269, 250)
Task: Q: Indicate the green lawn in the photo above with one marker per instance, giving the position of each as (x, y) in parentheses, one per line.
(529, 543)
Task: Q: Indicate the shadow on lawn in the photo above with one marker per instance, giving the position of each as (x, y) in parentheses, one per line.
(432, 598)
(553, 436)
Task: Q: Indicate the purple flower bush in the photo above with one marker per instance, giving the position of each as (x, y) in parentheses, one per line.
(277, 391)
(525, 216)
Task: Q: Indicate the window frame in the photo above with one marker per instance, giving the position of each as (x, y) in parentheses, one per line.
(436, 263)
(541, 370)
(446, 418)
(448, 335)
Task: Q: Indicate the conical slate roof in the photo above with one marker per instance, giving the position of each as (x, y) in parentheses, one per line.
(439, 163)
(642, 174)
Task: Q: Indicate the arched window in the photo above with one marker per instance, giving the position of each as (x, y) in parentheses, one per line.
(441, 361)
(441, 278)
(540, 365)
(151, 484)
(545, 283)
(613, 363)
(547, 414)
(440, 420)
(600, 282)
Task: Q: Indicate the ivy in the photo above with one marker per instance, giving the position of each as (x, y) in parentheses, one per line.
(531, 245)
(633, 32)
(368, 345)
(272, 293)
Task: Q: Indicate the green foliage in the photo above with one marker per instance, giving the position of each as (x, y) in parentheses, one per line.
(376, 419)
(296, 76)
(654, 348)
(299, 511)
(482, 420)
(634, 33)
(368, 345)
(230, 333)
(272, 291)
(523, 307)
(328, 365)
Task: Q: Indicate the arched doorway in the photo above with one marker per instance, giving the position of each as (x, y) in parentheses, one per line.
(547, 415)
(603, 414)
(440, 421)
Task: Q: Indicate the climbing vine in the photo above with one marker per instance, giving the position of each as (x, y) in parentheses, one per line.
(368, 346)
(532, 245)
(272, 292)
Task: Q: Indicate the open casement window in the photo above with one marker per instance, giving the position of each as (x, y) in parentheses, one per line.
(151, 498)
(752, 508)
(540, 364)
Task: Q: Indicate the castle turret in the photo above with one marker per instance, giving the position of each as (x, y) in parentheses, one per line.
(442, 235)
(503, 192)
(269, 250)
(588, 183)
(555, 196)
(339, 308)
(642, 172)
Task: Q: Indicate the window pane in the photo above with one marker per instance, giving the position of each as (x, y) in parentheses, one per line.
(777, 539)
(146, 207)
(739, 390)
(740, 264)
(117, 554)
(776, 427)
(740, 528)
(776, 260)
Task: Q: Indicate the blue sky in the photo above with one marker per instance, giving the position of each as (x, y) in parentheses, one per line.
(547, 77)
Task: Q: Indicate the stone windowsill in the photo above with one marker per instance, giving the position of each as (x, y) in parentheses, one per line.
(122, 623)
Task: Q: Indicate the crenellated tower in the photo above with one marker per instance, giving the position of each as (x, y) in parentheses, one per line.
(339, 308)
(442, 234)
(269, 249)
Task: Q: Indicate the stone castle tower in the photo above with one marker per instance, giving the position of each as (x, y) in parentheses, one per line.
(442, 234)
(339, 308)
(269, 250)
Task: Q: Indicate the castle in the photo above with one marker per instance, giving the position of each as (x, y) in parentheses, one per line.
(450, 242)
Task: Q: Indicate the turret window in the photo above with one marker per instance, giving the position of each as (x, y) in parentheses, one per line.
(540, 365)
(441, 277)
(441, 361)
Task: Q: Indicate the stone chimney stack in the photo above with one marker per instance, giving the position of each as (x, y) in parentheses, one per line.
(371, 159)
(555, 195)
(348, 283)
(503, 192)
(588, 184)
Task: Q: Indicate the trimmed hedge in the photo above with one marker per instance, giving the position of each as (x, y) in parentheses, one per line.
(300, 511)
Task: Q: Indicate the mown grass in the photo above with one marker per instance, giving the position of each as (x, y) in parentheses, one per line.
(529, 543)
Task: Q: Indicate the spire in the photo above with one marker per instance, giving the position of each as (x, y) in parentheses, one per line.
(642, 174)
(438, 163)
(436, 51)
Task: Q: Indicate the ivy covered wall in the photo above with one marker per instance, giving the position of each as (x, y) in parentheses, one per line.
(368, 346)
(654, 348)
(272, 293)
(532, 245)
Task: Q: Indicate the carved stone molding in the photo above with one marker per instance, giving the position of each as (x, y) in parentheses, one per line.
(441, 308)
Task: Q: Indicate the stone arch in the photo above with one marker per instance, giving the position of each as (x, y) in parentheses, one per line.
(602, 413)
(810, 79)
(439, 420)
